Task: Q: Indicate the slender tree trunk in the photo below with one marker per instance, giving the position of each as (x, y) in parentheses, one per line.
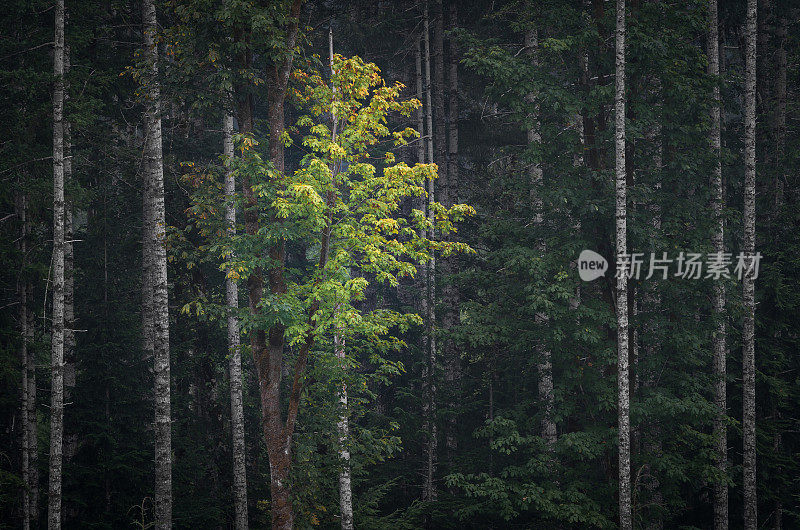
(343, 430)
(450, 293)
(779, 120)
(437, 90)
(452, 129)
(235, 363)
(57, 354)
(543, 355)
(718, 242)
(748, 284)
(779, 133)
(70, 438)
(31, 427)
(423, 142)
(429, 487)
(623, 382)
(161, 361)
(652, 302)
(21, 204)
(342, 426)
(427, 374)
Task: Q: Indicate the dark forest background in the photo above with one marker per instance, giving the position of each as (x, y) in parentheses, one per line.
(498, 307)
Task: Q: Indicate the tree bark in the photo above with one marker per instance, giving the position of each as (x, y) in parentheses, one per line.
(234, 350)
(450, 292)
(21, 203)
(70, 438)
(342, 425)
(623, 383)
(267, 348)
(718, 242)
(343, 430)
(429, 486)
(779, 134)
(779, 123)
(30, 427)
(160, 310)
(57, 353)
(544, 358)
(452, 129)
(748, 284)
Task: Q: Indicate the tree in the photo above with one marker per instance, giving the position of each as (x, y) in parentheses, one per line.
(28, 410)
(345, 212)
(154, 192)
(718, 241)
(234, 349)
(623, 383)
(57, 353)
(429, 376)
(342, 425)
(543, 355)
(748, 283)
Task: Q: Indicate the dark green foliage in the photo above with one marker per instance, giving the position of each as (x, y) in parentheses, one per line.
(500, 473)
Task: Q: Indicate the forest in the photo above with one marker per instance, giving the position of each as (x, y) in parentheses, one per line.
(405, 264)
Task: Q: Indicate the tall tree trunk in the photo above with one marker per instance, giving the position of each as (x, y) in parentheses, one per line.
(437, 89)
(779, 125)
(748, 284)
(342, 425)
(544, 358)
(779, 134)
(234, 350)
(161, 362)
(422, 150)
(764, 63)
(450, 293)
(623, 383)
(70, 438)
(267, 348)
(652, 302)
(57, 353)
(718, 242)
(429, 487)
(31, 428)
(452, 126)
(343, 430)
(21, 204)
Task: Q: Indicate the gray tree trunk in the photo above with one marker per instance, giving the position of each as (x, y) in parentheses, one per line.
(779, 125)
(450, 293)
(652, 302)
(163, 435)
(27, 360)
(748, 284)
(235, 364)
(623, 383)
(779, 133)
(31, 427)
(718, 242)
(543, 355)
(57, 353)
(343, 430)
(70, 438)
(429, 487)
(342, 424)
